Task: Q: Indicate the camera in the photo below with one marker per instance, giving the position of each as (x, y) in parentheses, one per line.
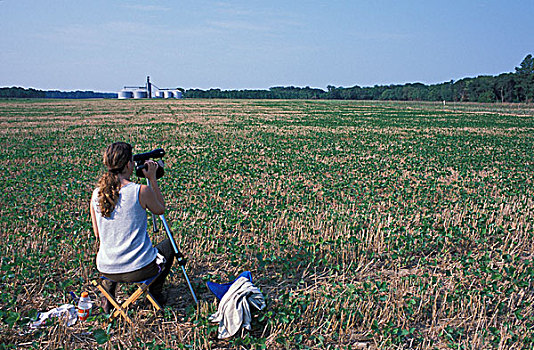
(141, 158)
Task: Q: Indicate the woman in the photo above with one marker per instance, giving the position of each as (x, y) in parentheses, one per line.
(118, 213)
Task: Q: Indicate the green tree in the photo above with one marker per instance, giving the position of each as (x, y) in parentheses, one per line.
(526, 67)
(505, 87)
(525, 75)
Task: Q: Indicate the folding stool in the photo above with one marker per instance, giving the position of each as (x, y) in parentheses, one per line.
(142, 288)
(220, 289)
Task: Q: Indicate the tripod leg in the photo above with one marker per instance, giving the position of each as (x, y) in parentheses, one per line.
(155, 228)
(189, 284)
(169, 233)
(175, 248)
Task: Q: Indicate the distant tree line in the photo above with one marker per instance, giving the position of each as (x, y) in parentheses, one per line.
(18, 92)
(506, 87)
(280, 92)
(79, 94)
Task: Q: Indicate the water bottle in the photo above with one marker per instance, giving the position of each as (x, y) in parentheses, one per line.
(84, 306)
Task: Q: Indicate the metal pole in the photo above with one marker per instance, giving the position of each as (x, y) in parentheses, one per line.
(175, 248)
(189, 284)
(171, 238)
(155, 228)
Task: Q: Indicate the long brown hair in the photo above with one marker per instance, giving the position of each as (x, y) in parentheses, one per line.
(116, 157)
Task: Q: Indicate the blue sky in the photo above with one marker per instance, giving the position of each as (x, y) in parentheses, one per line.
(103, 45)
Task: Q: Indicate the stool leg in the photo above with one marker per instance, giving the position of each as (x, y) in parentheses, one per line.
(113, 302)
(154, 302)
(140, 290)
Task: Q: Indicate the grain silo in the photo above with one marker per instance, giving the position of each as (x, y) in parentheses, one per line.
(148, 91)
(125, 94)
(140, 93)
(168, 94)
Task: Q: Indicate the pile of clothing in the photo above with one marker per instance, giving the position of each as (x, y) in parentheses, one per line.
(234, 306)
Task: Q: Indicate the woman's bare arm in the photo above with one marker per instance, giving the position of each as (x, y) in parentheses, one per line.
(93, 220)
(150, 197)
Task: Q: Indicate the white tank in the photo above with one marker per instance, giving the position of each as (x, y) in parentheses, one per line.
(177, 94)
(125, 94)
(168, 94)
(141, 93)
(159, 94)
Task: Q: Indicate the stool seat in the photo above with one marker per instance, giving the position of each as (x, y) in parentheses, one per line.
(142, 289)
(220, 289)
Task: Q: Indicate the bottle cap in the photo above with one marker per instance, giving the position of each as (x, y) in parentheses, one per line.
(85, 295)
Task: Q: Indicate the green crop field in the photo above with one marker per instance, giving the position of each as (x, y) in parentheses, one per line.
(366, 225)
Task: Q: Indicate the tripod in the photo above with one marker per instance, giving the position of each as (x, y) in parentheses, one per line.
(179, 256)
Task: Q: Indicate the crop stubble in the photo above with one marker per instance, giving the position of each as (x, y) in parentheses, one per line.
(377, 225)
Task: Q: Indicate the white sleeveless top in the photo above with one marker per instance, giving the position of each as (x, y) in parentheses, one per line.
(124, 242)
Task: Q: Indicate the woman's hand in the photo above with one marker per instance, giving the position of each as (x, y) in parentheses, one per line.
(150, 170)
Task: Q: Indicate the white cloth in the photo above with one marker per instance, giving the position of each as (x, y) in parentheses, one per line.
(234, 310)
(67, 312)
